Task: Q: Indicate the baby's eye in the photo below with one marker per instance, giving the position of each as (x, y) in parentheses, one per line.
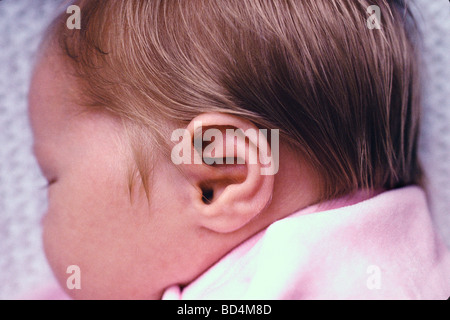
(49, 183)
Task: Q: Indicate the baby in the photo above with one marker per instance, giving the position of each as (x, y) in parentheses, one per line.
(235, 150)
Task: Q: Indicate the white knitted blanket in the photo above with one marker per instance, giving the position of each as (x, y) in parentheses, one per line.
(22, 199)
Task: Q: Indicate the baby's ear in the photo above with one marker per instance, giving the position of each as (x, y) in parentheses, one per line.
(225, 158)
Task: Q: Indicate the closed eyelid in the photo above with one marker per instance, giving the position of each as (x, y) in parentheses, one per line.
(37, 151)
(38, 156)
(44, 166)
(49, 183)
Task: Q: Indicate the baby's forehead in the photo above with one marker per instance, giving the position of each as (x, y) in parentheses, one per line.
(52, 114)
(52, 88)
(45, 97)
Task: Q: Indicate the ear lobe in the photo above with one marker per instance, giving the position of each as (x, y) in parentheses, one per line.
(229, 176)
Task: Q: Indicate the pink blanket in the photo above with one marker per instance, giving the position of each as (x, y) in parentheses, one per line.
(384, 247)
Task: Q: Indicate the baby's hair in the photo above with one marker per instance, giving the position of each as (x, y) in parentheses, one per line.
(343, 95)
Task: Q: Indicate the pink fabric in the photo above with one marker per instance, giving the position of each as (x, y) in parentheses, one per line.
(384, 247)
(51, 291)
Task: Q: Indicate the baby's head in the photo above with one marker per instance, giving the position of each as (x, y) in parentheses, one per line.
(122, 108)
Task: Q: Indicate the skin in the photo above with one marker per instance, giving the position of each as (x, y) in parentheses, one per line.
(136, 249)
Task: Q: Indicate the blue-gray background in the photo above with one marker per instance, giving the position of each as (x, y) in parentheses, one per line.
(22, 199)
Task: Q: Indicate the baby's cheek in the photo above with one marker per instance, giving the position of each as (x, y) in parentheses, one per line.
(88, 230)
(55, 241)
(69, 253)
(66, 238)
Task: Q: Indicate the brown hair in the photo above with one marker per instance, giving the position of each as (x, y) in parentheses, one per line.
(344, 95)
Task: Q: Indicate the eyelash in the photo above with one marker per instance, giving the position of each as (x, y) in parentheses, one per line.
(48, 184)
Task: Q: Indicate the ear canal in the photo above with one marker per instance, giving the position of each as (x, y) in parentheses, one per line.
(207, 195)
